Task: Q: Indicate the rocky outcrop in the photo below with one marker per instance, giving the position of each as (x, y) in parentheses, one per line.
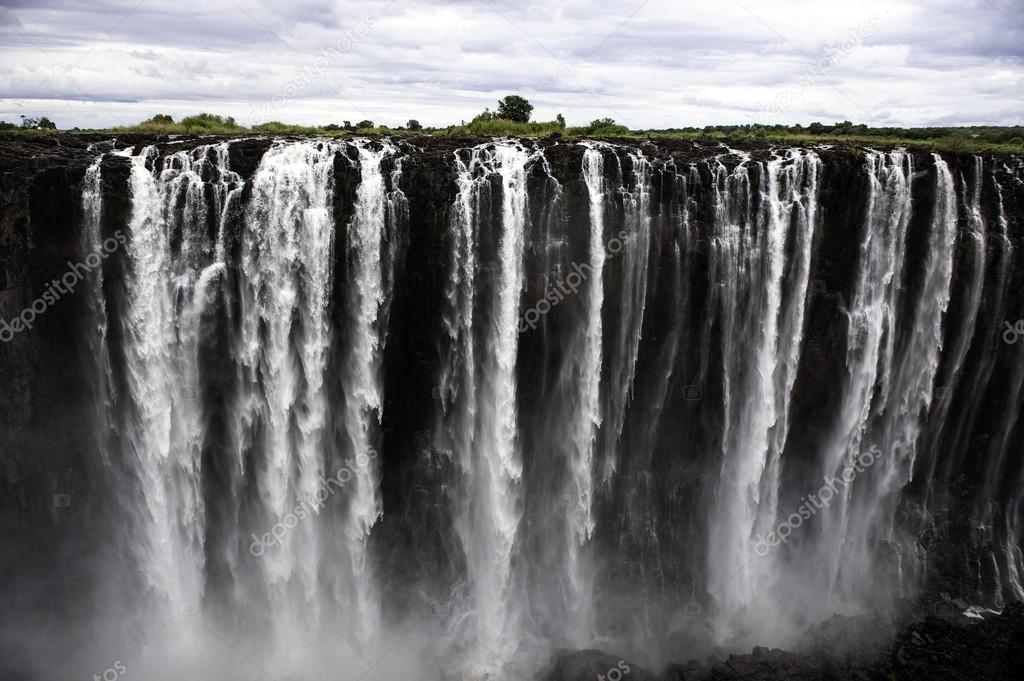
(954, 647)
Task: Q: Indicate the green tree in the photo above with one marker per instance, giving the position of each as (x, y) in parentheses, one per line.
(364, 124)
(560, 120)
(414, 124)
(844, 128)
(515, 108)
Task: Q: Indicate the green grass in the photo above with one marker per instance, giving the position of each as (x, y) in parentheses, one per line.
(964, 140)
(978, 139)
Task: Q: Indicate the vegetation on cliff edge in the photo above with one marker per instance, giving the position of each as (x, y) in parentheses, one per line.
(512, 119)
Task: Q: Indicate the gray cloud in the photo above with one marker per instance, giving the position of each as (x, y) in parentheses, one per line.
(654, 64)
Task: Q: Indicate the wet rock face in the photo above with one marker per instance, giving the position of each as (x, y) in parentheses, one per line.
(44, 420)
(48, 436)
(961, 648)
(928, 647)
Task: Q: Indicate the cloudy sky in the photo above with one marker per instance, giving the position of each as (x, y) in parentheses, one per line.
(653, 63)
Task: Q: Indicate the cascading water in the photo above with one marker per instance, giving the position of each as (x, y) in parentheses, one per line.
(871, 335)
(585, 417)
(283, 348)
(92, 217)
(277, 300)
(480, 426)
(589, 417)
(908, 393)
(1001, 524)
(371, 263)
(625, 338)
(284, 282)
(161, 421)
(749, 251)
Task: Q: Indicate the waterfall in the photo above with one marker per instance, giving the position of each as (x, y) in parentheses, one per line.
(161, 420)
(279, 416)
(589, 418)
(870, 334)
(371, 265)
(953, 375)
(891, 385)
(586, 417)
(760, 363)
(998, 463)
(632, 297)
(96, 335)
(482, 426)
(282, 348)
(912, 386)
(909, 396)
(796, 202)
(547, 395)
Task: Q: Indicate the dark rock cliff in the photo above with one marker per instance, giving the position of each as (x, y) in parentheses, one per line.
(49, 437)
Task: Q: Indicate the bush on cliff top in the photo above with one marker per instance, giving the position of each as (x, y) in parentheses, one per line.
(976, 139)
(602, 127)
(493, 125)
(202, 123)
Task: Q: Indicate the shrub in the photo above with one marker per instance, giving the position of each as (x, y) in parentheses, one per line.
(489, 125)
(202, 123)
(603, 127)
(207, 122)
(278, 128)
(954, 142)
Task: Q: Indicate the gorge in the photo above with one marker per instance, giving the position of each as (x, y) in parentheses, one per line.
(447, 407)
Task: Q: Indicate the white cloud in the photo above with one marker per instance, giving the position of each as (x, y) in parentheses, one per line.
(654, 64)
